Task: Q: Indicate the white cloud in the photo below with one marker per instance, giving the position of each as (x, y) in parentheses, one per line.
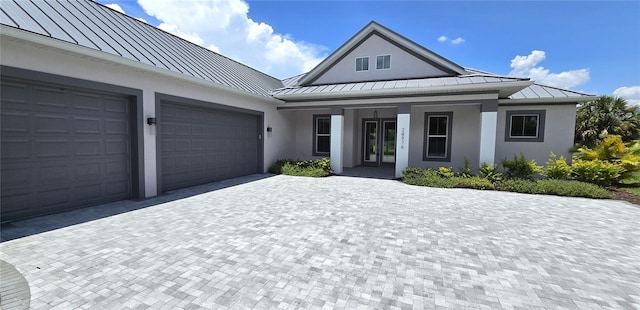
(457, 41)
(630, 93)
(526, 66)
(142, 20)
(115, 6)
(225, 27)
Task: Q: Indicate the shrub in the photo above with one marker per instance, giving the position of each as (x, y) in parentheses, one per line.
(465, 171)
(611, 149)
(445, 172)
(426, 177)
(520, 168)
(553, 187)
(490, 172)
(596, 171)
(277, 167)
(572, 189)
(473, 182)
(557, 168)
(309, 168)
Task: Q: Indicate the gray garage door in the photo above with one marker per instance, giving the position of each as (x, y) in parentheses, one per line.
(201, 145)
(61, 149)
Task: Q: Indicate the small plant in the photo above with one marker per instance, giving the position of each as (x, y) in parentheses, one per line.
(465, 171)
(277, 167)
(520, 168)
(445, 172)
(473, 182)
(309, 168)
(557, 168)
(596, 171)
(490, 172)
(425, 177)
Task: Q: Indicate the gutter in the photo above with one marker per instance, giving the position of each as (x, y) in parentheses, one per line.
(30, 37)
(546, 100)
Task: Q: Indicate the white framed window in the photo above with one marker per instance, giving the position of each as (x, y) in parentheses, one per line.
(362, 63)
(321, 135)
(525, 126)
(383, 62)
(437, 144)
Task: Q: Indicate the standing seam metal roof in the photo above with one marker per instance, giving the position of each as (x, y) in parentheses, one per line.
(90, 24)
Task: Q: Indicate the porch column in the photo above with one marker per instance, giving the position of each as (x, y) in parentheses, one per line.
(337, 128)
(488, 127)
(402, 139)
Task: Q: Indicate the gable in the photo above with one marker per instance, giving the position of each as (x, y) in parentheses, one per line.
(403, 64)
(408, 60)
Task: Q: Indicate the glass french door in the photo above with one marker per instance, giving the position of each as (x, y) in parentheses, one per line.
(379, 142)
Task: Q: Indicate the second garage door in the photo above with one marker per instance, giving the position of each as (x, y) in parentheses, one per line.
(201, 145)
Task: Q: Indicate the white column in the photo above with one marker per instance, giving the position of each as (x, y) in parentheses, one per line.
(488, 127)
(149, 142)
(402, 139)
(337, 128)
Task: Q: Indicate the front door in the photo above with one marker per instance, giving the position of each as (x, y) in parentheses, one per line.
(379, 142)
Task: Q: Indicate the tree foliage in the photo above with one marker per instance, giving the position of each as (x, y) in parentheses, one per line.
(606, 116)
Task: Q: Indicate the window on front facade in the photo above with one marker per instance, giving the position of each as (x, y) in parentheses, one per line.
(383, 62)
(321, 134)
(525, 126)
(437, 144)
(362, 64)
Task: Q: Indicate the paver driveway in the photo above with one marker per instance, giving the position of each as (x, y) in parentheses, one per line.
(341, 242)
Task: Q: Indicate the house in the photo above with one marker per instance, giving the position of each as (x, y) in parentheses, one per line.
(99, 107)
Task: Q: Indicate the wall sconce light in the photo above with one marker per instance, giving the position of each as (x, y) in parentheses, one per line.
(151, 121)
(375, 114)
(269, 129)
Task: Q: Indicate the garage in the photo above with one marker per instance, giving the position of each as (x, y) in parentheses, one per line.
(62, 148)
(201, 144)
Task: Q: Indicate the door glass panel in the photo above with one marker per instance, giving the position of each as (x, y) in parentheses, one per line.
(389, 142)
(370, 141)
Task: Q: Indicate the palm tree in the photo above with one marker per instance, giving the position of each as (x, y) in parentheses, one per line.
(606, 116)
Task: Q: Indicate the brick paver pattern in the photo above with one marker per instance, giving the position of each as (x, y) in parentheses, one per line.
(343, 243)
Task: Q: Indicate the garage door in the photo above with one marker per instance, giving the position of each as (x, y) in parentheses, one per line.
(200, 145)
(62, 149)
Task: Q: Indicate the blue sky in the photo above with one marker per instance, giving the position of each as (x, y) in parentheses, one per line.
(590, 46)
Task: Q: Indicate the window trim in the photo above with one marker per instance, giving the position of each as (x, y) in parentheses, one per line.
(356, 64)
(540, 130)
(314, 151)
(381, 69)
(449, 136)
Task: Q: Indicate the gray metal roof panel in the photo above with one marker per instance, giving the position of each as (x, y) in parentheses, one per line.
(6, 19)
(95, 26)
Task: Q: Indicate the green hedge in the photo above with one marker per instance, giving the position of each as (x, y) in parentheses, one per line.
(434, 178)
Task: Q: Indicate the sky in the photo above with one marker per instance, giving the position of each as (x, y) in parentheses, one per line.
(587, 46)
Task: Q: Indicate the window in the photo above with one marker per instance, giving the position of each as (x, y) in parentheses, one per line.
(362, 64)
(383, 62)
(525, 126)
(321, 135)
(437, 144)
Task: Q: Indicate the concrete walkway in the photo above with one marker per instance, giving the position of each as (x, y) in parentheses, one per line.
(337, 242)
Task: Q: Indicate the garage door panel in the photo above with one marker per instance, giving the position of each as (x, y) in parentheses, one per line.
(86, 125)
(84, 102)
(200, 145)
(52, 148)
(52, 124)
(62, 149)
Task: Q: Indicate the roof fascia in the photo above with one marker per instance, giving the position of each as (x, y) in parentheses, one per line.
(565, 100)
(400, 92)
(33, 38)
(373, 28)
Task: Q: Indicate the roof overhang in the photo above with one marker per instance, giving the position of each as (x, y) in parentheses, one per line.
(567, 100)
(503, 89)
(28, 37)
